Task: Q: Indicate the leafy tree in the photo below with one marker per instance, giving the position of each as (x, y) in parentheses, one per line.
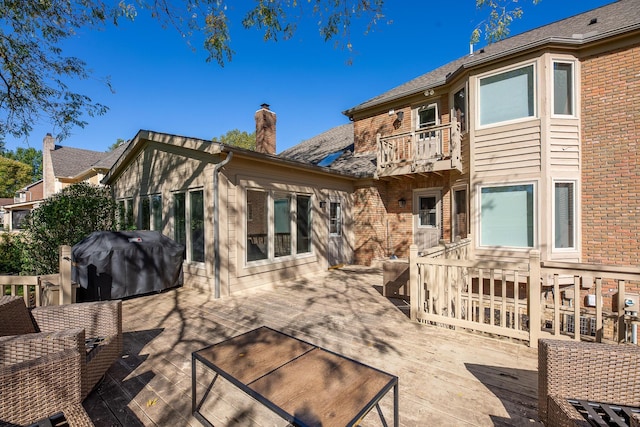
(238, 138)
(29, 156)
(116, 144)
(65, 218)
(501, 14)
(14, 175)
(35, 73)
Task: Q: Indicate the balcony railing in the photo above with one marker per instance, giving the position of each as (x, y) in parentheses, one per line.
(429, 149)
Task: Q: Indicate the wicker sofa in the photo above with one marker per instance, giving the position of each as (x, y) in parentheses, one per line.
(101, 323)
(606, 373)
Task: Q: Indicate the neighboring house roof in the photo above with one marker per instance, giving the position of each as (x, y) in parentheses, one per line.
(70, 162)
(597, 24)
(6, 201)
(333, 150)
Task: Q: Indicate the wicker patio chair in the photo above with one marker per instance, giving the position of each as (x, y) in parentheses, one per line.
(40, 376)
(606, 373)
(101, 321)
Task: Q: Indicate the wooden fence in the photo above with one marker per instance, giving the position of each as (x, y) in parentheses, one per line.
(51, 289)
(524, 300)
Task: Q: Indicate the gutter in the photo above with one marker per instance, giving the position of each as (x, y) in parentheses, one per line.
(216, 224)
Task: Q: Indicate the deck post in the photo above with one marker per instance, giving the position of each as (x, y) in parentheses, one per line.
(413, 281)
(533, 298)
(64, 281)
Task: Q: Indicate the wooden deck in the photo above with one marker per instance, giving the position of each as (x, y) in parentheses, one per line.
(445, 377)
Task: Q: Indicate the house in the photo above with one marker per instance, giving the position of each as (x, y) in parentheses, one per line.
(61, 167)
(246, 218)
(527, 143)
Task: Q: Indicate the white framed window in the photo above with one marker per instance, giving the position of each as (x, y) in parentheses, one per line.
(427, 211)
(507, 96)
(563, 88)
(508, 215)
(278, 226)
(564, 221)
(335, 219)
(188, 225)
(151, 212)
(426, 116)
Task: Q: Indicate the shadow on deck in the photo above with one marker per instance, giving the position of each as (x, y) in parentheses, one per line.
(445, 377)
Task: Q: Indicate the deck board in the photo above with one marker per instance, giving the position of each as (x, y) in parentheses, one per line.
(446, 377)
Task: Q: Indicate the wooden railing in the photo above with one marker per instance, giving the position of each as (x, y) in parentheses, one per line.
(524, 300)
(428, 149)
(51, 289)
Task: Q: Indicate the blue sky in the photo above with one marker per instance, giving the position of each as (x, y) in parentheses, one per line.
(162, 85)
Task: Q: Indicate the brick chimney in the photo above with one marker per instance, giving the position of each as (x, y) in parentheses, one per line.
(265, 130)
(48, 178)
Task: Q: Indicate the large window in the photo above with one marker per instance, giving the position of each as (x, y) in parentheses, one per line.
(188, 224)
(563, 88)
(507, 216)
(270, 220)
(145, 213)
(564, 220)
(151, 212)
(507, 96)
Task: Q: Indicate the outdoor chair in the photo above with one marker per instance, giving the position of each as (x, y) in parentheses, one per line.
(101, 343)
(594, 372)
(40, 377)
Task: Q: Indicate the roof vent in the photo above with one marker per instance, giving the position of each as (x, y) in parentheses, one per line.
(593, 21)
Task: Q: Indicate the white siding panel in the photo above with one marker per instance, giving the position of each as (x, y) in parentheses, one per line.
(564, 145)
(508, 149)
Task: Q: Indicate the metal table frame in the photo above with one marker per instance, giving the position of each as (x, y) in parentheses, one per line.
(265, 398)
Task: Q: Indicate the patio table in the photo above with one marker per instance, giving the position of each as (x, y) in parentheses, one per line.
(301, 382)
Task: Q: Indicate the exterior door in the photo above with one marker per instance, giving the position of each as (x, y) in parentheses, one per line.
(335, 254)
(427, 218)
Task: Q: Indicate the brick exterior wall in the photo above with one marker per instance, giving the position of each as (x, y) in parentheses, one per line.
(610, 167)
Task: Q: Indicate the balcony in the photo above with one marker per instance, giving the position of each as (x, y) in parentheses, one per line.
(429, 149)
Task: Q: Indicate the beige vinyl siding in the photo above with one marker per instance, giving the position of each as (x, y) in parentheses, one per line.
(507, 149)
(564, 145)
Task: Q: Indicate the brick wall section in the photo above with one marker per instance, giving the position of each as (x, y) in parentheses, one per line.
(610, 168)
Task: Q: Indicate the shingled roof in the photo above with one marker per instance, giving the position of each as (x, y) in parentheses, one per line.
(597, 24)
(69, 162)
(333, 149)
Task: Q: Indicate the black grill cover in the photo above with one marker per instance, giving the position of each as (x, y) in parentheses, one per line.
(114, 265)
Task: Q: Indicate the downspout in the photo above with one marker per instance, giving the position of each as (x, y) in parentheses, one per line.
(216, 224)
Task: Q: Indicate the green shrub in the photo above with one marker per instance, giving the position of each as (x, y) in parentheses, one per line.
(11, 253)
(65, 218)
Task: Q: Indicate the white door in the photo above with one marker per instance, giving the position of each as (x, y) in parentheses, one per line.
(427, 218)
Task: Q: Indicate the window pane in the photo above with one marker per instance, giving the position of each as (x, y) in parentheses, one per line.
(156, 211)
(506, 216)
(427, 213)
(282, 225)
(122, 215)
(303, 224)
(145, 214)
(460, 108)
(427, 116)
(564, 228)
(563, 88)
(257, 242)
(180, 219)
(196, 218)
(129, 223)
(507, 96)
(460, 213)
(335, 222)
